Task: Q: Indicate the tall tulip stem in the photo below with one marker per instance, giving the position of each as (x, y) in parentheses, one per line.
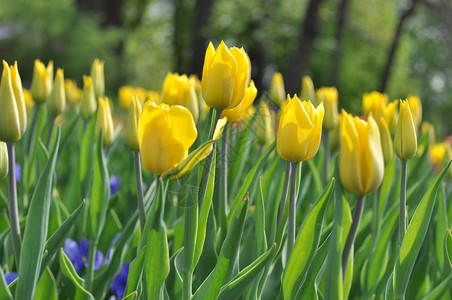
(139, 179)
(402, 214)
(352, 234)
(12, 201)
(224, 183)
(49, 136)
(190, 230)
(282, 201)
(292, 208)
(326, 138)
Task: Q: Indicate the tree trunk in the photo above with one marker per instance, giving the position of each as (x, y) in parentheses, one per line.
(310, 28)
(341, 18)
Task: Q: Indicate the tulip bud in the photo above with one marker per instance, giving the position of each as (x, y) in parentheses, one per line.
(132, 125)
(307, 90)
(437, 154)
(237, 114)
(3, 160)
(29, 103)
(405, 141)
(179, 90)
(386, 141)
(391, 116)
(13, 121)
(41, 83)
(224, 76)
(361, 163)
(375, 102)
(277, 92)
(299, 130)
(328, 95)
(89, 104)
(416, 109)
(265, 133)
(57, 98)
(73, 93)
(97, 74)
(165, 134)
(104, 121)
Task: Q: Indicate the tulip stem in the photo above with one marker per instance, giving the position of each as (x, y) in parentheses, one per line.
(326, 137)
(190, 229)
(292, 209)
(49, 136)
(13, 208)
(282, 201)
(402, 214)
(352, 234)
(139, 179)
(224, 184)
(31, 141)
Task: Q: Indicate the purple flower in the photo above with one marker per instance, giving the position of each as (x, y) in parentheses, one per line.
(114, 185)
(119, 284)
(10, 277)
(78, 255)
(18, 170)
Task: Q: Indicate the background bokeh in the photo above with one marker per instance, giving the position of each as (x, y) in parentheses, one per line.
(141, 40)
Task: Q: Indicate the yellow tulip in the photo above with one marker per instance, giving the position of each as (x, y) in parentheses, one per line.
(438, 154)
(13, 121)
(405, 140)
(391, 114)
(3, 160)
(299, 130)
(277, 92)
(386, 141)
(239, 113)
(97, 74)
(165, 134)
(307, 90)
(328, 95)
(73, 93)
(104, 121)
(265, 132)
(361, 163)
(375, 102)
(132, 125)
(57, 98)
(41, 83)
(224, 76)
(89, 103)
(179, 90)
(29, 103)
(416, 109)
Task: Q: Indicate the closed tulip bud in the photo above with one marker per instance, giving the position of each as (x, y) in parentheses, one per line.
(57, 98)
(416, 109)
(3, 160)
(299, 130)
(165, 134)
(132, 125)
(264, 130)
(89, 103)
(73, 93)
(391, 114)
(97, 74)
(361, 163)
(179, 90)
(437, 154)
(405, 140)
(29, 103)
(41, 83)
(277, 91)
(104, 121)
(375, 102)
(307, 90)
(13, 121)
(238, 113)
(224, 76)
(386, 141)
(328, 95)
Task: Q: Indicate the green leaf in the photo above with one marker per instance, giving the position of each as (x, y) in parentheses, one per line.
(47, 287)
(305, 245)
(235, 288)
(414, 237)
(316, 175)
(441, 223)
(36, 230)
(68, 271)
(5, 293)
(156, 263)
(135, 270)
(448, 250)
(259, 218)
(131, 296)
(211, 287)
(440, 290)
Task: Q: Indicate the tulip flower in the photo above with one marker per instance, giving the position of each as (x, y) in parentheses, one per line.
(89, 103)
(265, 133)
(29, 103)
(132, 125)
(277, 92)
(57, 98)
(299, 130)
(104, 121)
(375, 102)
(224, 76)
(3, 160)
(307, 90)
(328, 95)
(391, 115)
(416, 109)
(41, 83)
(73, 93)
(386, 141)
(179, 90)
(165, 134)
(97, 74)
(239, 113)
(405, 140)
(437, 154)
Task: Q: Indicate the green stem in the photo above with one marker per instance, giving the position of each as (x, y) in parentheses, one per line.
(292, 209)
(282, 200)
(402, 214)
(91, 261)
(352, 234)
(139, 179)
(12, 201)
(224, 184)
(190, 229)
(49, 136)
(31, 141)
(326, 138)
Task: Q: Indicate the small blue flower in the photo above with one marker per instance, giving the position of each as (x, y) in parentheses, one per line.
(18, 170)
(78, 255)
(10, 277)
(114, 185)
(119, 284)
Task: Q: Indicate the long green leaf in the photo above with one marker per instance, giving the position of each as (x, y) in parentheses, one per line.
(68, 270)
(305, 245)
(135, 270)
(414, 237)
(36, 230)
(440, 290)
(156, 262)
(5, 293)
(47, 287)
(131, 296)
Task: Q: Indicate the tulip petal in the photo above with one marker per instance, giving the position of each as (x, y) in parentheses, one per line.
(210, 52)
(372, 158)
(316, 135)
(183, 128)
(242, 76)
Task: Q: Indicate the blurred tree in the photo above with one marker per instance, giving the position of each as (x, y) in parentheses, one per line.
(341, 19)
